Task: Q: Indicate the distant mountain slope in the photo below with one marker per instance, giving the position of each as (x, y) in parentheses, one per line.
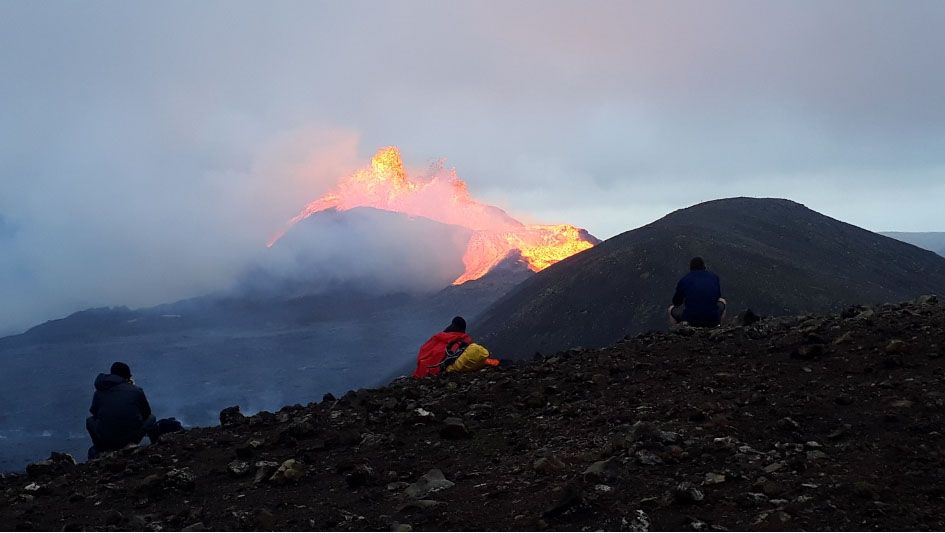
(774, 256)
(930, 240)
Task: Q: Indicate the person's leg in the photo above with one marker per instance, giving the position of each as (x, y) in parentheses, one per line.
(91, 425)
(149, 428)
(675, 315)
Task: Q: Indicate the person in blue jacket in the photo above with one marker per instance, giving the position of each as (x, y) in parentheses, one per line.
(698, 299)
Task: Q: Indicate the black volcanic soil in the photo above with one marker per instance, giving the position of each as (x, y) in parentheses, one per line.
(815, 422)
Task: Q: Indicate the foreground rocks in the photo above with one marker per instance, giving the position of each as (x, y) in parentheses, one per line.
(812, 422)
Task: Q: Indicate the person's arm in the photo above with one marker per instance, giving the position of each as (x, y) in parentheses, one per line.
(143, 406)
(680, 296)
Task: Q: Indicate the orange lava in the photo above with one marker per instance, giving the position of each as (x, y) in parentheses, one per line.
(445, 198)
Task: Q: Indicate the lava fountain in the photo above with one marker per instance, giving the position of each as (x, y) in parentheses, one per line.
(444, 197)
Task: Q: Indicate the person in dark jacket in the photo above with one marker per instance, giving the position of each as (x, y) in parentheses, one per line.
(121, 414)
(698, 299)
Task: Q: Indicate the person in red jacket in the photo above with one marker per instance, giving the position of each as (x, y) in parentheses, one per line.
(433, 351)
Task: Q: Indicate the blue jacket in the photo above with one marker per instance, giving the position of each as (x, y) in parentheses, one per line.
(700, 291)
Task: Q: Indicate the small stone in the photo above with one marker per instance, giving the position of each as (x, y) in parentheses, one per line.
(686, 493)
(417, 504)
(839, 432)
(304, 427)
(198, 526)
(816, 455)
(548, 465)
(360, 476)
(895, 347)
(810, 351)
(453, 429)
(774, 467)
(432, 481)
(264, 470)
(401, 527)
(181, 479)
(263, 519)
(114, 518)
(772, 489)
(846, 337)
(865, 490)
(843, 399)
(648, 458)
(606, 470)
(289, 471)
(238, 468)
(711, 478)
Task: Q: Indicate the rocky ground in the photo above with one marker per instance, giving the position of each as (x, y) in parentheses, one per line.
(811, 422)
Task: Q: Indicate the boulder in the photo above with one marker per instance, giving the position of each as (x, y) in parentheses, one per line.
(231, 416)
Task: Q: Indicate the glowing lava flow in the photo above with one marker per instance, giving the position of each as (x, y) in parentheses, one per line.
(445, 198)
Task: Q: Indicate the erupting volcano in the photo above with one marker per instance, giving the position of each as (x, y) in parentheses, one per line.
(444, 197)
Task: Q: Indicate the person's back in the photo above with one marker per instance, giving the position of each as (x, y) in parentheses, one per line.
(433, 352)
(698, 297)
(120, 411)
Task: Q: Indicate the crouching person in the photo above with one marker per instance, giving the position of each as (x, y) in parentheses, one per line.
(121, 414)
(451, 350)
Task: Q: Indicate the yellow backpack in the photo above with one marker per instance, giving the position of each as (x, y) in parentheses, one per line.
(473, 358)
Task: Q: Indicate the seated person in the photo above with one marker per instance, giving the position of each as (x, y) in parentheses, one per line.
(433, 352)
(120, 411)
(698, 299)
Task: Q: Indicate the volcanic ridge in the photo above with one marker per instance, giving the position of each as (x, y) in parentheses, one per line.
(825, 422)
(774, 256)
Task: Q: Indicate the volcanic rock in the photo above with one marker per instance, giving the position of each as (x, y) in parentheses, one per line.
(453, 428)
(432, 481)
(57, 464)
(289, 471)
(231, 416)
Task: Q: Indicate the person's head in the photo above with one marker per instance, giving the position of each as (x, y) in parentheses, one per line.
(458, 325)
(121, 370)
(696, 263)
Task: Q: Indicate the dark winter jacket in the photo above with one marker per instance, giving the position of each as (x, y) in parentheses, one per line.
(700, 291)
(120, 408)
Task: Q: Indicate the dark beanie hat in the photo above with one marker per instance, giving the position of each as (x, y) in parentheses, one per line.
(458, 325)
(121, 369)
(696, 263)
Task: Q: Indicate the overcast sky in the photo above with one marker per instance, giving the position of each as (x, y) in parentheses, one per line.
(148, 149)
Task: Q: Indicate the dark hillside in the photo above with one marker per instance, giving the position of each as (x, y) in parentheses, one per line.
(774, 256)
(831, 422)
